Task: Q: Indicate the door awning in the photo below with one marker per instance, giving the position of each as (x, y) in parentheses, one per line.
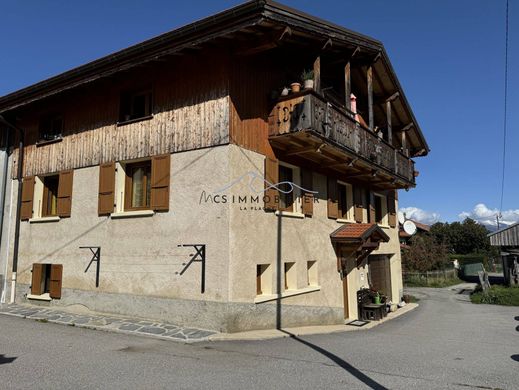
(363, 238)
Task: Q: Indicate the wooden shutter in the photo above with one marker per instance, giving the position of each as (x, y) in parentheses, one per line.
(160, 178)
(333, 201)
(391, 208)
(56, 275)
(37, 272)
(271, 195)
(106, 188)
(308, 197)
(357, 199)
(27, 198)
(65, 193)
(372, 211)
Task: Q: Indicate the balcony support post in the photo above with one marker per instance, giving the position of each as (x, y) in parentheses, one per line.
(370, 96)
(347, 85)
(317, 75)
(389, 125)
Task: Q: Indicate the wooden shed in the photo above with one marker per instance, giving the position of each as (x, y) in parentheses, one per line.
(508, 240)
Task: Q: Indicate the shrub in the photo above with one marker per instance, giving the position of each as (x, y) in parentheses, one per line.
(496, 295)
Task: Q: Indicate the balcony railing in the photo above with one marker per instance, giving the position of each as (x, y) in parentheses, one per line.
(310, 112)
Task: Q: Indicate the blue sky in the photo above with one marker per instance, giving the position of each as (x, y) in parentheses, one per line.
(448, 55)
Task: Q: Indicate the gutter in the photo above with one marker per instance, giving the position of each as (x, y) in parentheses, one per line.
(19, 175)
(2, 199)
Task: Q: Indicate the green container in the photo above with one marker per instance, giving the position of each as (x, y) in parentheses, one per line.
(377, 300)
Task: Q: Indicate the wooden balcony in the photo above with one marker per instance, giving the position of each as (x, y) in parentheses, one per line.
(307, 126)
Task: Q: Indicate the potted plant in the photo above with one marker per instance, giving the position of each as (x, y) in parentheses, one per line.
(307, 77)
(295, 87)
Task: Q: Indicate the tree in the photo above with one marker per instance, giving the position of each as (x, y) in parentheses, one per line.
(462, 238)
(424, 254)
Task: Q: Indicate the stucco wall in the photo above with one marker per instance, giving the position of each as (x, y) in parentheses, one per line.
(139, 255)
(254, 240)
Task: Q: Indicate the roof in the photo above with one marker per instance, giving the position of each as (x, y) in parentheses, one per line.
(508, 236)
(358, 232)
(236, 19)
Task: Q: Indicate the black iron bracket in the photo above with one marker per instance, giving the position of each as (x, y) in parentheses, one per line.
(96, 256)
(198, 256)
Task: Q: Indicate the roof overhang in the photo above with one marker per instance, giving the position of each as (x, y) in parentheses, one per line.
(362, 238)
(252, 13)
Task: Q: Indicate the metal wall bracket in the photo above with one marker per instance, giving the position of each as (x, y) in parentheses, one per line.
(96, 256)
(198, 256)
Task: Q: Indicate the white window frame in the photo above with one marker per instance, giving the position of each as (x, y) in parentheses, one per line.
(385, 218)
(120, 188)
(350, 214)
(297, 209)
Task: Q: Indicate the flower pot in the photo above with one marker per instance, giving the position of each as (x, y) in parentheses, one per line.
(309, 84)
(295, 87)
(376, 299)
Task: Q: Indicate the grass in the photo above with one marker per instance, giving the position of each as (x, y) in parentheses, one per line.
(497, 295)
(437, 283)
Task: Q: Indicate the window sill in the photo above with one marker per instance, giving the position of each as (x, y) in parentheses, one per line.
(383, 226)
(130, 121)
(48, 142)
(290, 214)
(42, 297)
(44, 219)
(285, 294)
(342, 220)
(132, 214)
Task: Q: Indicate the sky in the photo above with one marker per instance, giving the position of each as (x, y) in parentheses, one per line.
(448, 56)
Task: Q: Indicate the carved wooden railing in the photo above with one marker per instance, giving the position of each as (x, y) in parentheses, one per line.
(309, 111)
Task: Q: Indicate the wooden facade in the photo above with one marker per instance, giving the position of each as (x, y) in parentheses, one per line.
(189, 112)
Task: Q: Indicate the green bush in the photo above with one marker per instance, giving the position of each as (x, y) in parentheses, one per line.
(496, 295)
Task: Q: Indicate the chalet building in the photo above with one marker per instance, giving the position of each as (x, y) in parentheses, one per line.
(200, 145)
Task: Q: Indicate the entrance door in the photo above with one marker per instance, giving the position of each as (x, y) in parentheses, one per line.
(380, 274)
(345, 255)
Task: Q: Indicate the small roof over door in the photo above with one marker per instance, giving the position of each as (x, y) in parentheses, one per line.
(362, 238)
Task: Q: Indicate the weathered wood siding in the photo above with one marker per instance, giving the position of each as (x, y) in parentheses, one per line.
(252, 82)
(506, 237)
(191, 111)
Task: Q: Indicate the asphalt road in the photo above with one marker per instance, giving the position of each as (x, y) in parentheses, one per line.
(446, 343)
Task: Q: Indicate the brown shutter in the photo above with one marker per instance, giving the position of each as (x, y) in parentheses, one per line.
(357, 199)
(333, 201)
(106, 188)
(37, 271)
(271, 195)
(372, 212)
(65, 193)
(56, 275)
(160, 178)
(308, 197)
(27, 197)
(391, 208)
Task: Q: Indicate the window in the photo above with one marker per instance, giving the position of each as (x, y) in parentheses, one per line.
(51, 127)
(47, 197)
(136, 105)
(311, 272)
(290, 276)
(263, 279)
(138, 186)
(46, 279)
(286, 189)
(345, 201)
(380, 209)
(50, 196)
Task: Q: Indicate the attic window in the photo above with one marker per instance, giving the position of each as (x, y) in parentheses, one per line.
(51, 127)
(136, 105)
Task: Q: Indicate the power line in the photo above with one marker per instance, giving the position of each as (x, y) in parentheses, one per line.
(505, 113)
